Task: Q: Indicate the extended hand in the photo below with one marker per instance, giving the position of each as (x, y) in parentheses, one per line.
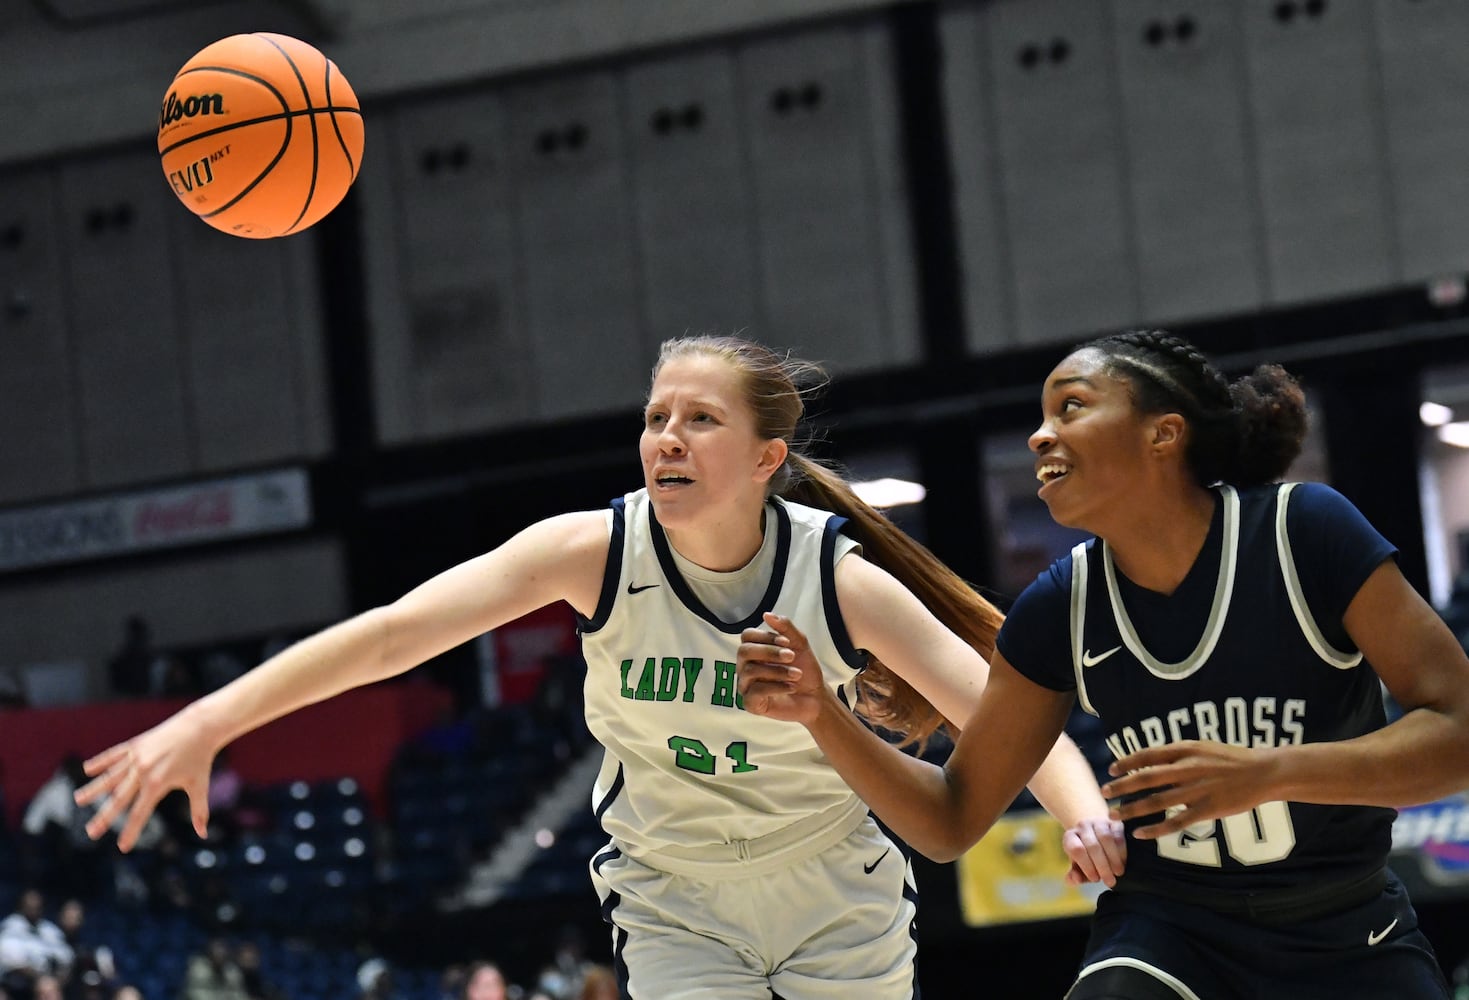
(133, 777)
(1192, 780)
(778, 676)
(1098, 852)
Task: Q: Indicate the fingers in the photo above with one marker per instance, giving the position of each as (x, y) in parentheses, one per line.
(105, 760)
(122, 795)
(785, 628)
(1167, 753)
(759, 696)
(1097, 851)
(1154, 777)
(137, 818)
(199, 811)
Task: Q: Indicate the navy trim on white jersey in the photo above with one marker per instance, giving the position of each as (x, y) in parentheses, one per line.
(856, 658)
(608, 596)
(691, 600)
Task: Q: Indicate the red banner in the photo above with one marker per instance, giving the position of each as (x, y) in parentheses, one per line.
(354, 734)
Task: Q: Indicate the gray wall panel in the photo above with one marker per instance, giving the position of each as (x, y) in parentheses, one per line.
(1062, 167)
(1317, 116)
(135, 422)
(1426, 90)
(38, 427)
(836, 271)
(1194, 205)
(969, 119)
(578, 272)
(692, 195)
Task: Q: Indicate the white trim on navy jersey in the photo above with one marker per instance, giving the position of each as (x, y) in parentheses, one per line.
(1078, 624)
(1218, 611)
(1307, 621)
(1172, 982)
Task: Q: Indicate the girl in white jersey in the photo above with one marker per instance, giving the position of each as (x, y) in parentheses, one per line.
(740, 865)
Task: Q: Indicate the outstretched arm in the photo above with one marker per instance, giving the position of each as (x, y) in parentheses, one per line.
(560, 558)
(942, 812)
(1420, 757)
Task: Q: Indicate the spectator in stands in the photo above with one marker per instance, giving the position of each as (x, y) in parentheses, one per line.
(131, 667)
(568, 967)
(31, 946)
(257, 987)
(47, 987)
(214, 974)
(600, 983)
(485, 981)
(375, 980)
(55, 850)
(88, 959)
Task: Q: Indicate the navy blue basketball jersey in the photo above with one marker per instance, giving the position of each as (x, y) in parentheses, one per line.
(1248, 650)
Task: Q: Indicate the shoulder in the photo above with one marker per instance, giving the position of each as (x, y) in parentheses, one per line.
(580, 532)
(1043, 604)
(1316, 509)
(1053, 582)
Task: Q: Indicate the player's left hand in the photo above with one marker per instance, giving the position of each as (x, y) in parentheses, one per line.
(1192, 781)
(1097, 850)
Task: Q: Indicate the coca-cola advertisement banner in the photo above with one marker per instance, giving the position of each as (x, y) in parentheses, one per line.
(207, 511)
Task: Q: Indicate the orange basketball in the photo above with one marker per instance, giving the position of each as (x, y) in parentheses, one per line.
(260, 135)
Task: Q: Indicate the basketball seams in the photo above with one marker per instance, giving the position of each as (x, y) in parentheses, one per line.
(332, 112)
(315, 137)
(262, 207)
(255, 121)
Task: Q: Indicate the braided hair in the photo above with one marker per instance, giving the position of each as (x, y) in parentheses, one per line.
(1246, 432)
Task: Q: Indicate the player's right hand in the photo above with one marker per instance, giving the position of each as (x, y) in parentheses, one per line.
(778, 676)
(131, 778)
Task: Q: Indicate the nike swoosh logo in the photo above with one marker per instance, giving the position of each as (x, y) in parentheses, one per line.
(1088, 660)
(631, 589)
(869, 869)
(1375, 938)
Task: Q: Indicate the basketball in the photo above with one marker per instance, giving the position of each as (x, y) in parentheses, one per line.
(260, 135)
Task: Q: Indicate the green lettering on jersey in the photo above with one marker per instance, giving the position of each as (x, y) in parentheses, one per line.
(627, 692)
(647, 684)
(691, 754)
(691, 667)
(668, 678)
(725, 694)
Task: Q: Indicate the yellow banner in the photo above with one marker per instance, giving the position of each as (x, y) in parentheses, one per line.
(1017, 873)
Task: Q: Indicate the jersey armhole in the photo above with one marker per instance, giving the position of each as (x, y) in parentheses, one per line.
(835, 624)
(613, 572)
(1078, 625)
(1309, 628)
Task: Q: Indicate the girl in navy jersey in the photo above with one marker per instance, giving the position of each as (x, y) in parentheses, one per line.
(1230, 633)
(739, 864)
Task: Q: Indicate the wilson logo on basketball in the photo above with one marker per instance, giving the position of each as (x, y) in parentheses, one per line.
(173, 109)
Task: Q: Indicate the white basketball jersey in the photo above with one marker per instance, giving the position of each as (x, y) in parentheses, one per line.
(685, 765)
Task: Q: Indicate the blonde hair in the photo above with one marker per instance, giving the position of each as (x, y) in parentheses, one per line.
(775, 387)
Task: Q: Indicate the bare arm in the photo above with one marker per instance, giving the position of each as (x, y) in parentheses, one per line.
(940, 811)
(1421, 757)
(561, 558)
(887, 620)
